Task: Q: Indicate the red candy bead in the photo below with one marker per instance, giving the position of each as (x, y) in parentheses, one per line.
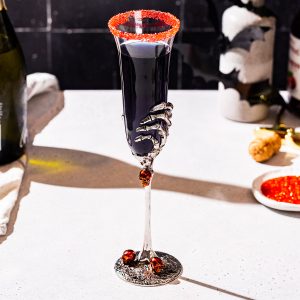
(145, 177)
(156, 264)
(128, 256)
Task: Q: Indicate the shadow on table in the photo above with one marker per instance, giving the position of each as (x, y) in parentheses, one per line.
(73, 168)
(208, 286)
(282, 159)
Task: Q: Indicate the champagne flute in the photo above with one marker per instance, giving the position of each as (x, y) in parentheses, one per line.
(144, 40)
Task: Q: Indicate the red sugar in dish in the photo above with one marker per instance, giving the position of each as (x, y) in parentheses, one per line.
(282, 189)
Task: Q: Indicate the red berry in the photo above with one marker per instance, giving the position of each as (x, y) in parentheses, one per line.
(156, 264)
(128, 256)
(145, 177)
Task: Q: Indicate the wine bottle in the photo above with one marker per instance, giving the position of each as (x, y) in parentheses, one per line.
(249, 29)
(294, 67)
(12, 92)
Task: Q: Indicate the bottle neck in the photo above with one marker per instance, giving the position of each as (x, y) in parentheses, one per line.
(2, 5)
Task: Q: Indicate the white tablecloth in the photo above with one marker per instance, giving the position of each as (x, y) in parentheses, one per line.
(82, 207)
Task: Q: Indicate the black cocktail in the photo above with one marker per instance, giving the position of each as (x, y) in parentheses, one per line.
(145, 69)
(144, 39)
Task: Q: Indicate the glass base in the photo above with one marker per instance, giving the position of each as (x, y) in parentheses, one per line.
(141, 274)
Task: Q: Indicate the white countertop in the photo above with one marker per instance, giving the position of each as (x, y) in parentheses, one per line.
(85, 207)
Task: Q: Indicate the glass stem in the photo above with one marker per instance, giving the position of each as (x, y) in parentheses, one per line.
(147, 251)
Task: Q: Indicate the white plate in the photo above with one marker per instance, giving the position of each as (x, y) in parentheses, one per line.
(272, 203)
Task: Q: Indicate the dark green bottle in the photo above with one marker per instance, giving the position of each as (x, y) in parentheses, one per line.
(13, 112)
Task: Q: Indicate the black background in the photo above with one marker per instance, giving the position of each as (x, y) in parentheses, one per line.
(70, 39)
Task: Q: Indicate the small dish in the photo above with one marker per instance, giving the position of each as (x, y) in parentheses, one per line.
(260, 197)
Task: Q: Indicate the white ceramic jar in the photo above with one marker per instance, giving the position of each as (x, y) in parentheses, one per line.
(254, 66)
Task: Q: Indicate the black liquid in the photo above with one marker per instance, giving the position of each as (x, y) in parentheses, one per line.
(144, 73)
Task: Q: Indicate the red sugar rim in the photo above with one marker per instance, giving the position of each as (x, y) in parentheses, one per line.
(122, 18)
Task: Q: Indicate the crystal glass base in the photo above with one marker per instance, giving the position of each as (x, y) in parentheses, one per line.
(141, 274)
